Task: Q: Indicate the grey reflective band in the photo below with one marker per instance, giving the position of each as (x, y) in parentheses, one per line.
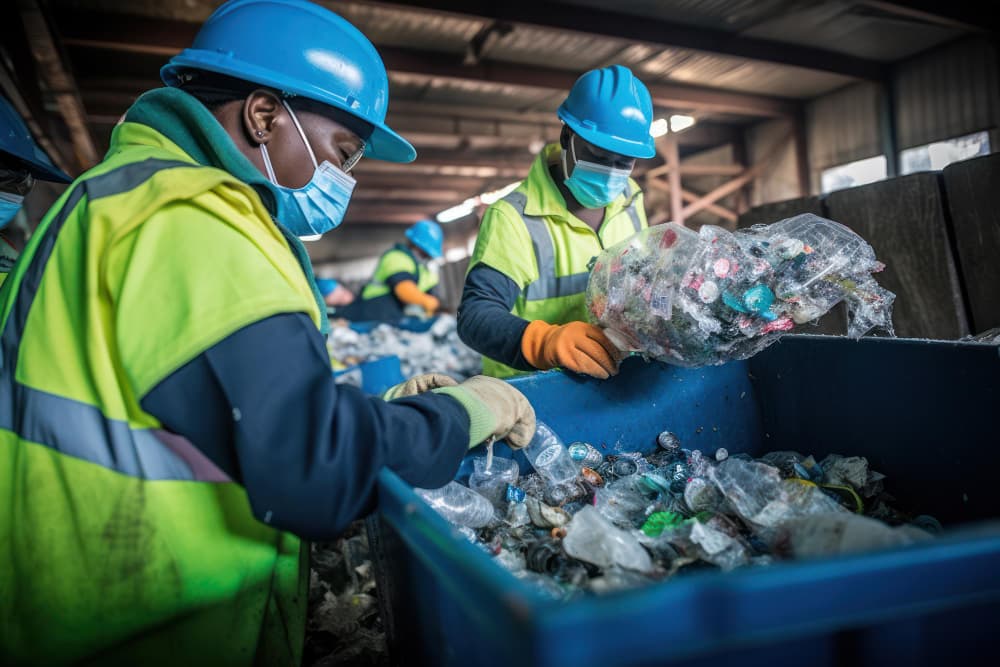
(72, 427)
(549, 285)
(633, 212)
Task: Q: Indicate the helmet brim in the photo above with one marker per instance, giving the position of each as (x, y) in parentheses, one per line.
(635, 149)
(383, 144)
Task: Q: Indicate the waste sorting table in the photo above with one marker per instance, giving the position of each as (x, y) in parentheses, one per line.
(925, 413)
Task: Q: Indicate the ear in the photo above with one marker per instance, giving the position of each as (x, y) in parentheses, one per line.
(261, 108)
(564, 137)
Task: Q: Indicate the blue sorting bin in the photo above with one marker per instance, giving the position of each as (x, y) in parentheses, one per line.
(377, 375)
(415, 324)
(924, 413)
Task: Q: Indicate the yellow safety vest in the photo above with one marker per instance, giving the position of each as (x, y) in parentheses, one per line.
(122, 543)
(397, 259)
(531, 237)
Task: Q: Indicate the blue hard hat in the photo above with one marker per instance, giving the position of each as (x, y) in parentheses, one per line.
(428, 236)
(611, 109)
(302, 49)
(16, 140)
(326, 285)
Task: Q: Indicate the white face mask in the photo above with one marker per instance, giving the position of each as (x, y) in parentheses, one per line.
(319, 205)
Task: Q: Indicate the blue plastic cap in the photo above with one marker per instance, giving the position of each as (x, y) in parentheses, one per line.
(611, 109)
(428, 236)
(16, 140)
(299, 48)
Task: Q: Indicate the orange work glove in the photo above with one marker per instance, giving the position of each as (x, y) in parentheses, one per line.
(576, 346)
(408, 292)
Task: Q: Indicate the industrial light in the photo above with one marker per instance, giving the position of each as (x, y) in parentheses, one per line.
(456, 212)
(314, 237)
(490, 197)
(677, 122)
(469, 205)
(680, 122)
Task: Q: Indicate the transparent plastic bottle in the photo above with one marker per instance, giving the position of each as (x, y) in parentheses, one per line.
(549, 456)
(459, 504)
(492, 481)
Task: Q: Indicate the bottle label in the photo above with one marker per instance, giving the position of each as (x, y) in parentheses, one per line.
(548, 455)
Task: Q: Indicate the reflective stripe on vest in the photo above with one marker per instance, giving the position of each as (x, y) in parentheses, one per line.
(70, 427)
(549, 285)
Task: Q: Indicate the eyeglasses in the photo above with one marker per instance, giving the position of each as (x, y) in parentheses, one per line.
(353, 159)
(16, 181)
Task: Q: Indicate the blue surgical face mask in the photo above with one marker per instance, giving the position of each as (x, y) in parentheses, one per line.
(319, 205)
(594, 185)
(10, 204)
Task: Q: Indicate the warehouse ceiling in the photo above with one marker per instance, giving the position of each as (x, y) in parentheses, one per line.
(475, 85)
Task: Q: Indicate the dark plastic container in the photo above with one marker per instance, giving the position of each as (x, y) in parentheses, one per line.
(925, 413)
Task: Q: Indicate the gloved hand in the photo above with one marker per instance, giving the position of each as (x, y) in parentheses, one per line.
(408, 292)
(495, 409)
(418, 385)
(576, 346)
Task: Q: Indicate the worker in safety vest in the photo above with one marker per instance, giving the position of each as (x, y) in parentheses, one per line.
(21, 162)
(170, 430)
(402, 282)
(523, 305)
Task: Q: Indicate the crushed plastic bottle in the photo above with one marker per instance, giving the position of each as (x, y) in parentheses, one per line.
(836, 534)
(549, 456)
(676, 511)
(459, 504)
(436, 350)
(491, 478)
(699, 298)
(592, 539)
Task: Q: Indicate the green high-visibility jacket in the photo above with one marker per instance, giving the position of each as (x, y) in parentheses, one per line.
(398, 259)
(532, 238)
(119, 544)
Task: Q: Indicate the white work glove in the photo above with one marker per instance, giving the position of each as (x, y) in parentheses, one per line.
(495, 409)
(418, 385)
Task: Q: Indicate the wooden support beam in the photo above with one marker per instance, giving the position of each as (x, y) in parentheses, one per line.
(690, 195)
(58, 80)
(667, 147)
(721, 211)
(738, 182)
(700, 170)
(164, 37)
(412, 197)
(802, 154)
(606, 22)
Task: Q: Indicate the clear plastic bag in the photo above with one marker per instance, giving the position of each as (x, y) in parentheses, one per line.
(708, 297)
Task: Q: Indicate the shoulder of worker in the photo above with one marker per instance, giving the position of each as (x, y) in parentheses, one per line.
(398, 259)
(634, 191)
(504, 244)
(144, 171)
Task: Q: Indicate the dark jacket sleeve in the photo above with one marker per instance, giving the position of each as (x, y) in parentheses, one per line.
(263, 406)
(485, 322)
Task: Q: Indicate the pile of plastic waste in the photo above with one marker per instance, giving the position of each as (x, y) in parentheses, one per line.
(343, 626)
(584, 522)
(436, 350)
(699, 298)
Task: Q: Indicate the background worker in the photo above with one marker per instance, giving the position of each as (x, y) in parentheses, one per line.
(523, 305)
(402, 280)
(333, 292)
(21, 162)
(170, 429)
